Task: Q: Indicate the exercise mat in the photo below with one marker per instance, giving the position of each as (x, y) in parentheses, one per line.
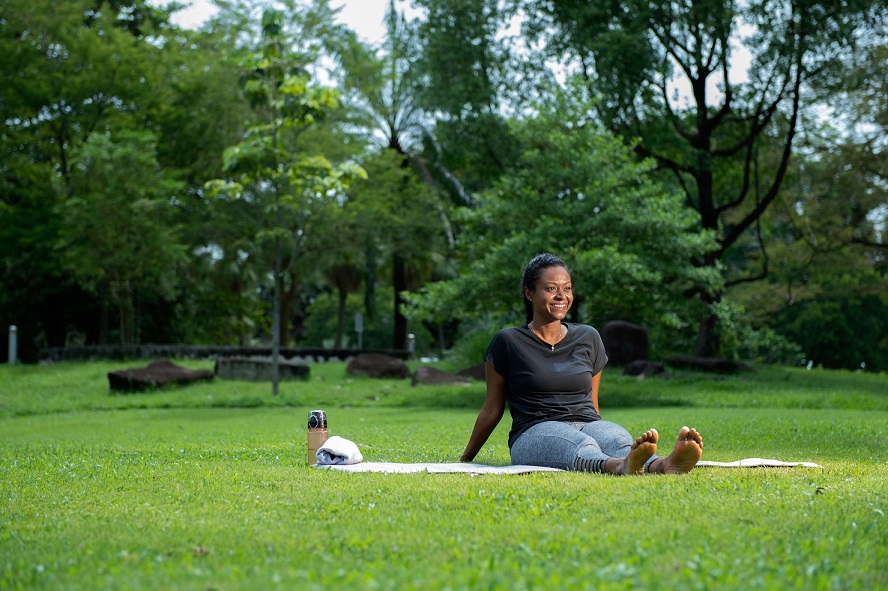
(465, 468)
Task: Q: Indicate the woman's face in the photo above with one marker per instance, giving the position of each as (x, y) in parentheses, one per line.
(552, 296)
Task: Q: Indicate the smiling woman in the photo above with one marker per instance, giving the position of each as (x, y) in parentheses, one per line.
(549, 371)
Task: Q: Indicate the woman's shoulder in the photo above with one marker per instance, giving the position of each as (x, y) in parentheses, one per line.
(581, 331)
(580, 327)
(511, 332)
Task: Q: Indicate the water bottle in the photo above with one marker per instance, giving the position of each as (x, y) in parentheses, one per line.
(317, 434)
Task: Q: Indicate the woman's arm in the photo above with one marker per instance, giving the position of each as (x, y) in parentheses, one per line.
(596, 380)
(490, 415)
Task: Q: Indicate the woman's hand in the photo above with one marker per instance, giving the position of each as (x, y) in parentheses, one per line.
(490, 415)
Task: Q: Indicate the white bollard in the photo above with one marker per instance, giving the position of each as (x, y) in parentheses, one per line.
(13, 344)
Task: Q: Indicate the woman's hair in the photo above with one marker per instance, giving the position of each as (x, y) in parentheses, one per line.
(532, 273)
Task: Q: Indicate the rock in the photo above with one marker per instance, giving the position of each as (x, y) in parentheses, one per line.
(643, 368)
(378, 365)
(712, 364)
(259, 369)
(157, 373)
(476, 372)
(625, 342)
(435, 377)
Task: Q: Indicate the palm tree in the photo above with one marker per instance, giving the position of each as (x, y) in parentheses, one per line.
(382, 91)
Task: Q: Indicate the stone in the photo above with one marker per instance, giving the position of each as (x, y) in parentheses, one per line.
(431, 376)
(624, 342)
(259, 369)
(160, 372)
(643, 368)
(476, 372)
(711, 364)
(378, 365)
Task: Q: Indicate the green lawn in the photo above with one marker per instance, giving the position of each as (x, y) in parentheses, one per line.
(206, 487)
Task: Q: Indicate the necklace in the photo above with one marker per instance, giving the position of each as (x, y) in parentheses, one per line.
(540, 337)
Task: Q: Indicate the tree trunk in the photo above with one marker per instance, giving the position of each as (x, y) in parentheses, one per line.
(287, 298)
(340, 313)
(399, 282)
(276, 332)
(103, 322)
(708, 342)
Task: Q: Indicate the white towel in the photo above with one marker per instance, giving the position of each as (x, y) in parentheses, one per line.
(338, 450)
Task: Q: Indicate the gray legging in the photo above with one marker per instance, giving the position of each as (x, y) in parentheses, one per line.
(573, 446)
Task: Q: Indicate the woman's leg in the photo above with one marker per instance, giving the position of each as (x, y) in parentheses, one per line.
(555, 445)
(565, 446)
(614, 440)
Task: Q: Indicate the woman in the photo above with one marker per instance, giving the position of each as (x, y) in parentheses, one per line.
(549, 371)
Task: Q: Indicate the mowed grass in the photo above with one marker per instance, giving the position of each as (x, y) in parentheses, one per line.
(207, 487)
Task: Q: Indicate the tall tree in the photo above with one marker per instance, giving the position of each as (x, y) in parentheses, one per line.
(633, 52)
(384, 91)
(464, 70)
(116, 237)
(68, 69)
(283, 186)
(624, 233)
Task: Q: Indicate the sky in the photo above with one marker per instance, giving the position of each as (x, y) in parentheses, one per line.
(364, 17)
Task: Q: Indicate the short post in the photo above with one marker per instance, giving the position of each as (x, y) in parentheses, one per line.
(13, 344)
(359, 328)
(411, 344)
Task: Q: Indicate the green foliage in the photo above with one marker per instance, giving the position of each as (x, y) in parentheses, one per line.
(474, 339)
(740, 340)
(461, 50)
(580, 193)
(115, 237)
(68, 71)
(321, 321)
(840, 332)
(278, 181)
(727, 144)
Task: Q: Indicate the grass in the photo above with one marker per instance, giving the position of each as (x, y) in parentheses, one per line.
(206, 487)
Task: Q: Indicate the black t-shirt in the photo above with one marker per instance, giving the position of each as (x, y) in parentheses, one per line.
(545, 385)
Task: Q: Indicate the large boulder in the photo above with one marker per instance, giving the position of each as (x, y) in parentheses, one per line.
(624, 342)
(435, 377)
(378, 365)
(259, 369)
(476, 372)
(643, 369)
(157, 373)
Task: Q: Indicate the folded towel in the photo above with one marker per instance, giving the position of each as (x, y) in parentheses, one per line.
(338, 450)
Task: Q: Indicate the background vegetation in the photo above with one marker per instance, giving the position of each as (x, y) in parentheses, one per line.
(713, 170)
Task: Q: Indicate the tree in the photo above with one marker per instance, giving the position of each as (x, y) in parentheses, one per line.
(633, 52)
(578, 192)
(464, 68)
(115, 237)
(283, 187)
(68, 70)
(383, 90)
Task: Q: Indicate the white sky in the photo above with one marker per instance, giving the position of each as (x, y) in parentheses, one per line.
(364, 17)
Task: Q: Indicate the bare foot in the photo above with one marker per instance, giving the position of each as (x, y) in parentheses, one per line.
(644, 446)
(687, 452)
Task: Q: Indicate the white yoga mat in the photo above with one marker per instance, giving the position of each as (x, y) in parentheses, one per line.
(435, 468)
(758, 463)
(459, 467)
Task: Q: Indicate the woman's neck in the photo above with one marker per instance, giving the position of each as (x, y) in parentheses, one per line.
(549, 331)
